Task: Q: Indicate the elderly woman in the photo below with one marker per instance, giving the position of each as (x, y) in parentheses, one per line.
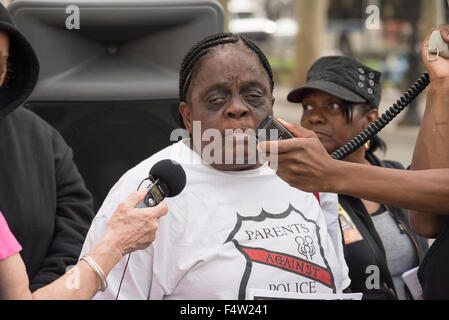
(237, 230)
(340, 99)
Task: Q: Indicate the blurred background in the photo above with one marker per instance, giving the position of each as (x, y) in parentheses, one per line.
(383, 34)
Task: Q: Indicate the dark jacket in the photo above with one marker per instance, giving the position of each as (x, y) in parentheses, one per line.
(370, 251)
(433, 272)
(42, 194)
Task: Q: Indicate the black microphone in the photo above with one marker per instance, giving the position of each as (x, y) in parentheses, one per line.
(168, 179)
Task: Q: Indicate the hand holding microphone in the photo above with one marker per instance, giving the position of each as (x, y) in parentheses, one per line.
(168, 179)
(128, 230)
(437, 46)
(131, 228)
(435, 53)
(134, 224)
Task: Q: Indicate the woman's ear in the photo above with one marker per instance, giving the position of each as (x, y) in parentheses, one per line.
(186, 114)
(371, 116)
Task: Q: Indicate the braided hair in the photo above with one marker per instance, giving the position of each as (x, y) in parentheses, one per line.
(190, 62)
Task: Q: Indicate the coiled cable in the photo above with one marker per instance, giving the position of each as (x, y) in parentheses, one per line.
(383, 120)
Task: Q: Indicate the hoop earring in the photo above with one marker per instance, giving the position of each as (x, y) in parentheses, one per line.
(368, 145)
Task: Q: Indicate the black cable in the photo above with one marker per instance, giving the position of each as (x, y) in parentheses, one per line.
(148, 178)
(383, 120)
(129, 257)
(123, 276)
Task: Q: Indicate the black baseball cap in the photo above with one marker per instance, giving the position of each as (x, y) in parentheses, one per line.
(343, 77)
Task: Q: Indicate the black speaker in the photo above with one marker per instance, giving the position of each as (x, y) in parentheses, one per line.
(110, 85)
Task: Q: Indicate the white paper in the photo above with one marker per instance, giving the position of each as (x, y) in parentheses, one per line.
(259, 294)
(410, 278)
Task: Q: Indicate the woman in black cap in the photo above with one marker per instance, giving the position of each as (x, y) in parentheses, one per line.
(341, 99)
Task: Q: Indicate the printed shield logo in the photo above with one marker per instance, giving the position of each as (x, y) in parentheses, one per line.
(276, 243)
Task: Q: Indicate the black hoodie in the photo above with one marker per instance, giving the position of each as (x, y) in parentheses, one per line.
(42, 194)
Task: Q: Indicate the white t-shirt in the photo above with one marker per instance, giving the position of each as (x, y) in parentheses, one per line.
(226, 233)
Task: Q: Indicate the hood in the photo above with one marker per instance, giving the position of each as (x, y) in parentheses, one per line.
(23, 67)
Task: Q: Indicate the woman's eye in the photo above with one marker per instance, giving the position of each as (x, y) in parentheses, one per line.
(218, 100)
(307, 107)
(254, 95)
(334, 106)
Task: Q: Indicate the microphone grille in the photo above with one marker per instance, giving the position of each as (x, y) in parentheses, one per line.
(172, 174)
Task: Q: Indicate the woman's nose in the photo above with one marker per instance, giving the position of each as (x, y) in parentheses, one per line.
(316, 117)
(237, 109)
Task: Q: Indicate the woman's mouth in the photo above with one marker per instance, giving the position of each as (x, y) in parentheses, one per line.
(321, 134)
(239, 135)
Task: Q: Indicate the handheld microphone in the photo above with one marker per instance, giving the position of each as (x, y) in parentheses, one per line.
(168, 179)
(437, 46)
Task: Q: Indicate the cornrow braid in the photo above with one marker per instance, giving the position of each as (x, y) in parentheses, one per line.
(203, 47)
(200, 44)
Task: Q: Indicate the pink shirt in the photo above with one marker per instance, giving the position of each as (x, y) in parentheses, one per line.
(8, 243)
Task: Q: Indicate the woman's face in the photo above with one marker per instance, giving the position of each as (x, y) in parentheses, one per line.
(4, 53)
(229, 91)
(323, 114)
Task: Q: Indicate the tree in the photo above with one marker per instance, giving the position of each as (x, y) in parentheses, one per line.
(224, 4)
(312, 22)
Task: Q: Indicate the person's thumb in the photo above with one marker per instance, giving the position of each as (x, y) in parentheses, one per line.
(135, 198)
